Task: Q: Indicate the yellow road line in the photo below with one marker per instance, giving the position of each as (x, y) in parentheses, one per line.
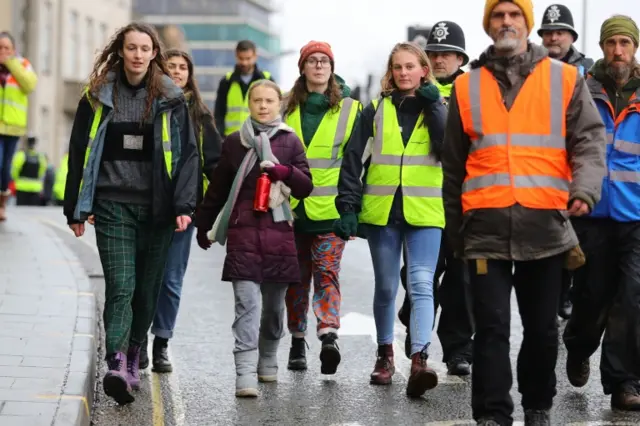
(156, 399)
(76, 397)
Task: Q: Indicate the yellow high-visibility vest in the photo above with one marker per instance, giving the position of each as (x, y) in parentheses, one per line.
(324, 154)
(393, 165)
(237, 105)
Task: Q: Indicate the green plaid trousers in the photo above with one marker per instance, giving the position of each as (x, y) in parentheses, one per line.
(133, 254)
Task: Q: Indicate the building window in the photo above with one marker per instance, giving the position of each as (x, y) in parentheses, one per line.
(73, 49)
(46, 39)
(91, 46)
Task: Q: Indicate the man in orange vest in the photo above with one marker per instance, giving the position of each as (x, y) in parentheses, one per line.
(524, 150)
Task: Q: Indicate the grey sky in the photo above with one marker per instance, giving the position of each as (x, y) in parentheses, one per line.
(362, 32)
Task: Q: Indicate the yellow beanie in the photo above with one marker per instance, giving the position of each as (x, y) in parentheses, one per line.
(525, 5)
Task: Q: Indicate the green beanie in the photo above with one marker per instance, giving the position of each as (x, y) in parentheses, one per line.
(619, 25)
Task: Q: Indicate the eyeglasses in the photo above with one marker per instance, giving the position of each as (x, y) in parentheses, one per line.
(324, 62)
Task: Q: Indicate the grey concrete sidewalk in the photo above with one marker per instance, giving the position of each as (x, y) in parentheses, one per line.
(47, 328)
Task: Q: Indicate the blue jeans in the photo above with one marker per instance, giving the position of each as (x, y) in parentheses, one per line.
(423, 247)
(169, 298)
(8, 146)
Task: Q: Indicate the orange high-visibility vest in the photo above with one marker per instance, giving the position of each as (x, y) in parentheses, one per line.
(519, 155)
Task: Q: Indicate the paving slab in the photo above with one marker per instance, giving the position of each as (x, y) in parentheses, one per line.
(47, 327)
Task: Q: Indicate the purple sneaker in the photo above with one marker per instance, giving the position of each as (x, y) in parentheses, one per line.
(133, 366)
(115, 382)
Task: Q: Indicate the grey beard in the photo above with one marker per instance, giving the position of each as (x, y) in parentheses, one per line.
(620, 73)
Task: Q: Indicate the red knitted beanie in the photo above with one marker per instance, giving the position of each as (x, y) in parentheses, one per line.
(314, 47)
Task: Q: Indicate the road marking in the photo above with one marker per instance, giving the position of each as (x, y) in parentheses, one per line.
(601, 423)
(156, 400)
(357, 324)
(175, 395)
(463, 422)
(74, 397)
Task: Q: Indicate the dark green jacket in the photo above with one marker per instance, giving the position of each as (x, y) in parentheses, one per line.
(311, 114)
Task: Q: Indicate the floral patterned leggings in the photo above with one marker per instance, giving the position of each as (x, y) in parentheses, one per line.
(319, 257)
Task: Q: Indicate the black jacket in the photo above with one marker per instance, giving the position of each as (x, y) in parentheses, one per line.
(408, 109)
(223, 89)
(209, 151)
(171, 197)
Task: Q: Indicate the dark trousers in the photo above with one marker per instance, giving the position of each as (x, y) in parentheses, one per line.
(28, 198)
(537, 287)
(133, 254)
(455, 329)
(606, 299)
(565, 295)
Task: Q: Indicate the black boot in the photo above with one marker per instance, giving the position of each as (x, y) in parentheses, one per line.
(329, 354)
(144, 355)
(161, 361)
(298, 354)
(458, 366)
(537, 418)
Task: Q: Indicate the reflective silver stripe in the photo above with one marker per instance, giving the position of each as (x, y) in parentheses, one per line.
(15, 105)
(627, 147)
(609, 138)
(475, 100)
(624, 176)
(394, 160)
(325, 163)
(408, 191)
(503, 179)
(230, 123)
(324, 191)
(166, 144)
(554, 140)
(341, 130)
(532, 181)
(237, 109)
(517, 139)
(557, 98)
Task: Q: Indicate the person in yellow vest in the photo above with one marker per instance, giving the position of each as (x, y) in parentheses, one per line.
(181, 70)
(133, 172)
(524, 151)
(17, 80)
(446, 50)
(398, 202)
(232, 107)
(27, 170)
(60, 180)
(323, 115)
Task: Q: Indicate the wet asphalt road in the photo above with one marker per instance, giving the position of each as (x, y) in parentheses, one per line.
(200, 392)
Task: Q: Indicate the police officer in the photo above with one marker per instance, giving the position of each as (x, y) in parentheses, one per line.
(558, 35)
(231, 108)
(28, 170)
(446, 50)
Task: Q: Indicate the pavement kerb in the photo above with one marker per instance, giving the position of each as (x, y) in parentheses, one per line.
(76, 399)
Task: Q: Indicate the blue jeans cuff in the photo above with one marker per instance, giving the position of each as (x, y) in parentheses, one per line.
(165, 334)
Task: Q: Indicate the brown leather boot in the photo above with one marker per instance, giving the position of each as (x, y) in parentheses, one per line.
(384, 368)
(626, 398)
(422, 378)
(3, 205)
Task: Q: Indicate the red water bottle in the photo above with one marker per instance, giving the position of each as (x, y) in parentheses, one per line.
(263, 188)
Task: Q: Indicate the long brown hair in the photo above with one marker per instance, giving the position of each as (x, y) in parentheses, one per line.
(299, 94)
(198, 110)
(387, 85)
(111, 61)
